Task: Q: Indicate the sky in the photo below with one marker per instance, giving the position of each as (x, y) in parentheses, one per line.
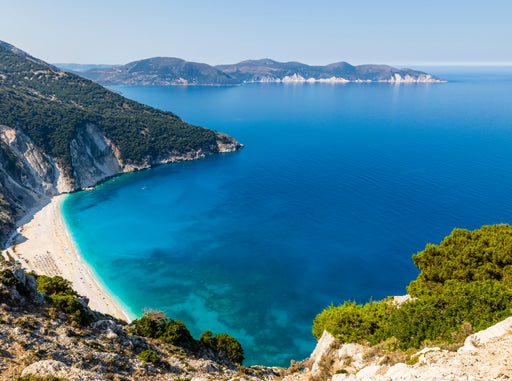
(399, 32)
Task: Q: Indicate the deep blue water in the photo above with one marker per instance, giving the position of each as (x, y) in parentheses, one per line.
(338, 185)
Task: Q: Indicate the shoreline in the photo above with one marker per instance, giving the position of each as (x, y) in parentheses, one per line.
(42, 244)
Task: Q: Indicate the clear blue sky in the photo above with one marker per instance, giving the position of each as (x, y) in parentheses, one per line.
(404, 32)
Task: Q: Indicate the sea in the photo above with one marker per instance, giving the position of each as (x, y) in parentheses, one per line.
(337, 187)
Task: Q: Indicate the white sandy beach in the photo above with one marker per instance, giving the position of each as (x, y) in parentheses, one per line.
(44, 246)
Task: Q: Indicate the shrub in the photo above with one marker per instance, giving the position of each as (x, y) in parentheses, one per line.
(208, 339)
(58, 290)
(352, 322)
(465, 283)
(172, 331)
(149, 356)
(70, 305)
(223, 343)
(56, 285)
(7, 278)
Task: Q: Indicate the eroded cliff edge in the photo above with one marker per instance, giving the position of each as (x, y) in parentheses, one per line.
(62, 133)
(28, 176)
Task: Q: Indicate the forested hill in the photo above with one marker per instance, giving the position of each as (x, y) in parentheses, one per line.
(61, 132)
(50, 105)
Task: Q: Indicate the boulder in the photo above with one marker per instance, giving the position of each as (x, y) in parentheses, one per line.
(480, 338)
(323, 348)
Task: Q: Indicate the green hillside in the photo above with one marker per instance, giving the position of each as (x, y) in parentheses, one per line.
(50, 105)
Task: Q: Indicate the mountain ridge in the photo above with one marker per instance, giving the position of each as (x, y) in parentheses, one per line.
(160, 71)
(169, 71)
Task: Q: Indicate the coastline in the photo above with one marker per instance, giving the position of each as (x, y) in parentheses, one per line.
(42, 244)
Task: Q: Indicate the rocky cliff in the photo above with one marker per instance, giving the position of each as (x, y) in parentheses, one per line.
(485, 355)
(39, 338)
(61, 133)
(28, 176)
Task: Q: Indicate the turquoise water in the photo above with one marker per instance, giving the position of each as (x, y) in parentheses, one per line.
(337, 187)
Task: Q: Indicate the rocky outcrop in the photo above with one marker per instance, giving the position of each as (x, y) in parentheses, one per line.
(39, 339)
(46, 368)
(29, 177)
(92, 157)
(485, 355)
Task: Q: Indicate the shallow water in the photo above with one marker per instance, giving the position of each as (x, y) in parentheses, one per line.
(337, 187)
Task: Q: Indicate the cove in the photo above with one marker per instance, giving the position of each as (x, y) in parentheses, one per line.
(336, 188)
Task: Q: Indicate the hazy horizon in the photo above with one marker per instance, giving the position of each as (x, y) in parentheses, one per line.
(393, 32)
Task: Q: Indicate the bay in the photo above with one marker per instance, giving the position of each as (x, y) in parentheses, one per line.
(336, 188)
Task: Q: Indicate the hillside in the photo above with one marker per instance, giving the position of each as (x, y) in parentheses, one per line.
(60, 132)
(79, 68)
(267, 70)
(173, 71)
(464, 286)
(47, 330)
(160, 71)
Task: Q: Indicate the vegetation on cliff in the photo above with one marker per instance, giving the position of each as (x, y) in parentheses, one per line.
(465, 284)
(42, 340)
(50, 106)
(52, 112)
(156, 325)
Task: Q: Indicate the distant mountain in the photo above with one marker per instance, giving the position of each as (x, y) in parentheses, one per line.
(174, 71)
(80, 68)
(160, 71)
(267, 70)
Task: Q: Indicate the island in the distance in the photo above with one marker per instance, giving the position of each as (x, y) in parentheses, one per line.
(168, 71)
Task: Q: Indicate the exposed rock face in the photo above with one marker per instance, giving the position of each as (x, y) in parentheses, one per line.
(486, 355)
(93, 157)
(59, 369)
(38, 339)
(29, 177)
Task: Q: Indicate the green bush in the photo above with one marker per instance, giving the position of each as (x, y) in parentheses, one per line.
(71, 306)
(56, 285)
(465, 256)
(172, 331)
(222, 342)
(465, 283)
(7, 278)
(58, 290)
(352, 322)
(149, 356)
(230, 346)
